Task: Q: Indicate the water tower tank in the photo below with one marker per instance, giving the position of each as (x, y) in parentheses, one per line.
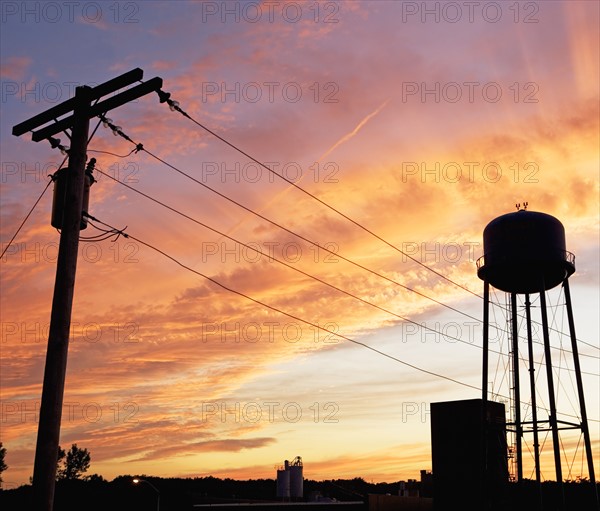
(525, 252)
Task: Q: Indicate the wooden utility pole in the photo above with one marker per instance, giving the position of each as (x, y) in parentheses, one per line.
(46, 451)
(46, 454)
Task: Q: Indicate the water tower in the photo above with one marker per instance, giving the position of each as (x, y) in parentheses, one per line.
(525, 254)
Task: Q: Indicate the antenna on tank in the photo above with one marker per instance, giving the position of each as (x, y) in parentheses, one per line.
(524, 208)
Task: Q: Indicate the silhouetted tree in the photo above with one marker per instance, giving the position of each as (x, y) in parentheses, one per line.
(61, 456)
(3, 465)
(73, 464)
(95, 478)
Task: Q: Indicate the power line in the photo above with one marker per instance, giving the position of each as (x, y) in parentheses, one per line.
(258, 251)
(26, 217)
(174, 105)
(290, 315)
(557, 370)
(117, 130)
(55, 143)
(550, 328)
(280, 311)
(140, 147)
(112, 154)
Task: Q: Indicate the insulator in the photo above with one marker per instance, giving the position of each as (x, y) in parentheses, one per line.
(89, 180)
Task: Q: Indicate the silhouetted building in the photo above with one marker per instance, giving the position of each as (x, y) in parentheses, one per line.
(468, 454)
(409, 488)
(426, 487)
(414, 488)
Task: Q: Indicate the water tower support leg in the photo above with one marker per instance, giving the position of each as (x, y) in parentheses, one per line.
(551, 395)
(484, 393)
(486, 328)
(517, 390)
(584, 420)
(536, 442)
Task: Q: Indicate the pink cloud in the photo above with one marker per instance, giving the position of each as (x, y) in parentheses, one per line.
(15, 68)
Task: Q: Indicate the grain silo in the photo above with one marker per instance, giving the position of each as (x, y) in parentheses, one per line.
(290, 480)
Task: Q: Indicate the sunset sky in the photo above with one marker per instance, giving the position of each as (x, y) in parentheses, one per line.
(420, 121)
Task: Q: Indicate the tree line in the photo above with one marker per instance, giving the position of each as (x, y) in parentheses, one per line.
(70, 465)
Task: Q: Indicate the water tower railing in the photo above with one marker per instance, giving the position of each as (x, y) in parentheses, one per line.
(569, 257)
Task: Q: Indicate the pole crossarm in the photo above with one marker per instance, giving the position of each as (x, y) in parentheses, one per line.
(100, 108)
(96, 93)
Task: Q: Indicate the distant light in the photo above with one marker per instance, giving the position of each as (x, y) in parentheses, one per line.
(136, 480)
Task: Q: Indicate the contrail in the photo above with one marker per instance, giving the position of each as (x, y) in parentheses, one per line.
(359, 126)
(341, 141)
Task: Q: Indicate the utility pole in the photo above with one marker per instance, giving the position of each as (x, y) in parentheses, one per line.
(44, 471)
(46, 454)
